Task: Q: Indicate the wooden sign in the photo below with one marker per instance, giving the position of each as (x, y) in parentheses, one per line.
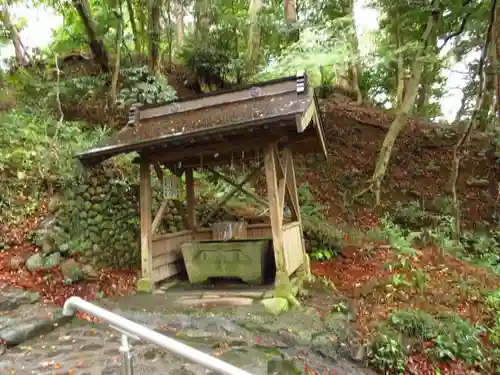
(171, 187)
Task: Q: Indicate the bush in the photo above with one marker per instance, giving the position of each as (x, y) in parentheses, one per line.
(414, 323)
(36, 151)
(387, 353)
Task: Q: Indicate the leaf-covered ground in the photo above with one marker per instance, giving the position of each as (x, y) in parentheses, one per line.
(50, 283)
(379, 283)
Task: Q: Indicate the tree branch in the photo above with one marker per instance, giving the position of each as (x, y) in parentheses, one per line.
(461, 29)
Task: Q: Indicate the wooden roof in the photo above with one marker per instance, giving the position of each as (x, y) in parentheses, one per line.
(242, 119)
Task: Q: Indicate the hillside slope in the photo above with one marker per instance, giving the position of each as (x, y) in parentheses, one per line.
(419, 169)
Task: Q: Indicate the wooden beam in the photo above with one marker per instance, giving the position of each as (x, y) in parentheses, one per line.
(274, 213)
(219, 148)
(281, 175)
(303, 120)
(284, 187)
(219, 99)
(291, 184)
(294, 201)
(191, 199)
(258, 199)
(145, 211)
(158, 170)
(228, 196)
(321, 134)
(159, 216)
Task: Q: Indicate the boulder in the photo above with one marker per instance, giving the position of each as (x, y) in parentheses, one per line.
(275, 306)
(71, 270)
(52, 260)
(35, 262)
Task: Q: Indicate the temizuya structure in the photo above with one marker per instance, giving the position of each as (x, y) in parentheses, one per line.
(265, 122)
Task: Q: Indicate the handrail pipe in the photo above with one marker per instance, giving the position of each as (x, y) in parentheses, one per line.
(131, 329)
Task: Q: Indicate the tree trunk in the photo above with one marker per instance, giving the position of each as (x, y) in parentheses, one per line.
(142, 26)
(133, 25)
(461, 111)
(95, 42)
(118, 47)
(290, 10)
(170, 32)
(252, 58)
(355, 65)
(400, 73)
(202, 19)
(464, 138)
(483, 116)
(180, 24)
(403, 111)
(22, 57)
(154, 37)
(496, 41)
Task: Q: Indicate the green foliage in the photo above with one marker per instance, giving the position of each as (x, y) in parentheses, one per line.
(137, 86)
(324, 239)
(457, 339)
(452, 337)
(414, 323)
(387, 353)
(309, 208)
(31, 154)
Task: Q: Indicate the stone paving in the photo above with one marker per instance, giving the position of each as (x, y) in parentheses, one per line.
(227, 324)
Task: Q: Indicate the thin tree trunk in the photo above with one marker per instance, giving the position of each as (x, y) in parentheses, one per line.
(95, 42)
(496, 42)
(118, 45)
(133, 25)
(401, 77)
(252, 58)
(488, 94)
(142, 25)
(22, 57)
(355, 65)
(290, 7)
(403, 111)
(154, 36)
(464, 138)
(180, 24)
(461, 111)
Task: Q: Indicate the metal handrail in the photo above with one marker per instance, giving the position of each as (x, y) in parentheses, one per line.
(131, 329)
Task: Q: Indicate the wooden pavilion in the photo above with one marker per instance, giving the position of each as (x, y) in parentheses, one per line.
(266, 121)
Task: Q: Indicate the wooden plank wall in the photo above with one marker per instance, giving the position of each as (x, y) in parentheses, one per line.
(166, 248)
(167, 257)
(292, 242)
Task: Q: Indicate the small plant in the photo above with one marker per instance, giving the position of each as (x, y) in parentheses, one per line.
(340, 307)
(414, 323)
(322, 254)
(456, 339)
(387, 354)
(308, 207)
(323, 239)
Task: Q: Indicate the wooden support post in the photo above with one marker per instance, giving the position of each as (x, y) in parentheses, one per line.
(145, 283)
(275, 215)
(191, 199)
(293, 195)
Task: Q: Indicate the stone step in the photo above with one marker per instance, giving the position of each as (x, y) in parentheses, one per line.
(22, 317)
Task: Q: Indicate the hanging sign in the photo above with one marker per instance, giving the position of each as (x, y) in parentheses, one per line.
(172, 187)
